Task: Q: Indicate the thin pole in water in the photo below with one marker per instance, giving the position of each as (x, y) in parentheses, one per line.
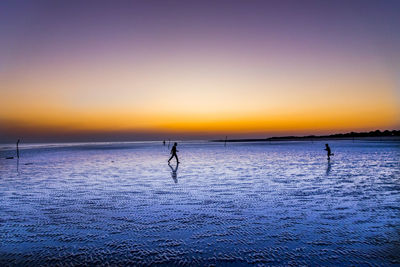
(17, 149)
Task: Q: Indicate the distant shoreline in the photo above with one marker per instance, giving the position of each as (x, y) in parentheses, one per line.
(365, 136)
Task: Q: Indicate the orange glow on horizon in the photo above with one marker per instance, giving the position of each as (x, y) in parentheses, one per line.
(109, 68)
(193, 96)
(197, 100)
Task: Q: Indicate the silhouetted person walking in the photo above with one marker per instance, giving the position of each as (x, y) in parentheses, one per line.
(328, 151)
(173, 153)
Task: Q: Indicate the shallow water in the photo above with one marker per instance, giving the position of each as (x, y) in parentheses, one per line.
(278, 203)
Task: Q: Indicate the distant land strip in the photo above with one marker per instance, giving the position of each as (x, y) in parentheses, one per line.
(374, 135)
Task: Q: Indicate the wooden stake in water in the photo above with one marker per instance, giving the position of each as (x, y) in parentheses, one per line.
(17, 149)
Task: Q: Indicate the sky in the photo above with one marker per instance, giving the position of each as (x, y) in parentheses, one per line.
(153, 70)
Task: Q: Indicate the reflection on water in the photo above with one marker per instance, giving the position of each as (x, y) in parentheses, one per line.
(174, 172)
(328, 168)
(243, 204)
(18, 166)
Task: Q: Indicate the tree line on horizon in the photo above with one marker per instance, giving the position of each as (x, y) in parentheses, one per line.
(376, 133)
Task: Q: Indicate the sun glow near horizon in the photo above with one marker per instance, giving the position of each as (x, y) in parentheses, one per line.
(249, 79)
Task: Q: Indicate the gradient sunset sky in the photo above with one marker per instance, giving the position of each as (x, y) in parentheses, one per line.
(149, 70)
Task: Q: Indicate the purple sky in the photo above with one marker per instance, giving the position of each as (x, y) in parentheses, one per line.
(53, 49)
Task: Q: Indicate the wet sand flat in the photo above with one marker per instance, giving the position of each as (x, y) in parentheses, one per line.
(278, 203)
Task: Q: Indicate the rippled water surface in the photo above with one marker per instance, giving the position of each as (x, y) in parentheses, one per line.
(279, 203)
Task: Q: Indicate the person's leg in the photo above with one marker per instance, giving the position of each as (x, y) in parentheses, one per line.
(176, 156)
(170, 158)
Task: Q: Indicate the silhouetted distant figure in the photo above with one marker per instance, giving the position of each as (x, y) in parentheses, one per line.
(174, 173)
(173, 153)
(17, 149)
(163, 142)
(328, 151)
